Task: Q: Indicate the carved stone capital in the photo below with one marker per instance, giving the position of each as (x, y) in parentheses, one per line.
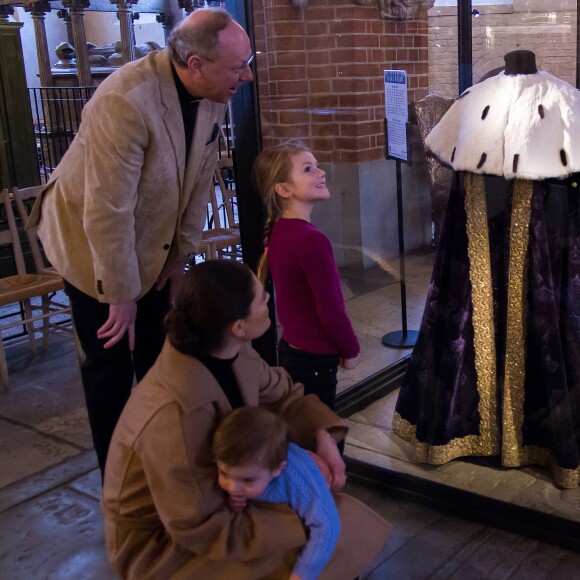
(402, 9)
(6, 10)
(190, 5)
(64, 14)
(76, 5)
(123, 3)
(37, 7)
(164, 19)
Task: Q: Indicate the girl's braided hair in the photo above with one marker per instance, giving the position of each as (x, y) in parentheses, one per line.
(273, 166)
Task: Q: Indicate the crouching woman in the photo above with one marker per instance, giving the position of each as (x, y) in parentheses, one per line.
(165, 515)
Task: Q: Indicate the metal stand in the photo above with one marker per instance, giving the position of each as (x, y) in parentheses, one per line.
(400, 338)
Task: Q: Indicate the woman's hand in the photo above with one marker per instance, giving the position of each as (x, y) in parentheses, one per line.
(327, 449)
(294, 576)
(237, 505)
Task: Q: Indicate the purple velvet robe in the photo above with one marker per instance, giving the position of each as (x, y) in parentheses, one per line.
(528, 412)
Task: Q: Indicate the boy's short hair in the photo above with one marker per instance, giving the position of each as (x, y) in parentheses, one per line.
(251, 435)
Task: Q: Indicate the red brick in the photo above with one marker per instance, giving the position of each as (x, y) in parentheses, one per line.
(319, 86)
(316, 28)
(286, 73)
(294, 117)
(320, 42)
(321, 72)
(328, 101)
(318, 57)
(285, 43)
(288, 28)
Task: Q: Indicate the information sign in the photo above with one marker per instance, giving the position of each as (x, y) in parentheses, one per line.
(397, 113)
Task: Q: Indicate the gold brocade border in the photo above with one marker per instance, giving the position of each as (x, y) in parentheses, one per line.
(515, 356)
(487, 442)
(439, 454)
(482, 303)
(473, 445)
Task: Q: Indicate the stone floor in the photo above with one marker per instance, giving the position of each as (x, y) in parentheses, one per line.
(372, 441)
(50, 486)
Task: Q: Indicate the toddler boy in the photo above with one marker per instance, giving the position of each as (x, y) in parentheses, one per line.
(256, 461)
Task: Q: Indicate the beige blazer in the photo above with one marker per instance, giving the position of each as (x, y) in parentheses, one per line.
(166, 517)
(123, 202)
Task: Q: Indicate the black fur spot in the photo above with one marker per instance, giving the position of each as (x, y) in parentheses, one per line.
(482, 160)
(485, 112)
(563, 157)
(453, 154)
(515, 162)
(541, 111)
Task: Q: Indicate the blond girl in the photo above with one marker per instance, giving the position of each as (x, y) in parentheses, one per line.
(317, 334)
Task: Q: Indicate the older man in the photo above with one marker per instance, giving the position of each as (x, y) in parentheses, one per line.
(126, 205)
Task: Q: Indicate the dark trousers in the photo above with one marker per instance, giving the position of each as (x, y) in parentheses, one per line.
(107, 374)
(317, 372)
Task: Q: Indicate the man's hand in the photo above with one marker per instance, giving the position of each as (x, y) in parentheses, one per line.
(121, 320)
(327, 449)
(237, 505)
(174, 275)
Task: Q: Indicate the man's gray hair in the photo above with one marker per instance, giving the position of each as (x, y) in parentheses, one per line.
(201, 39)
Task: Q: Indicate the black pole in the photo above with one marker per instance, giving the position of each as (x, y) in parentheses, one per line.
(400, 338)
(464, 45)
(401, 247)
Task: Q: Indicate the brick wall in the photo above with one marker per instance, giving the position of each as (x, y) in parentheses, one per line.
(548, 31)
(320, 73)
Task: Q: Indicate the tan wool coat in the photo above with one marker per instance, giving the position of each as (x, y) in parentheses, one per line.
(166, 517)
(123, 203)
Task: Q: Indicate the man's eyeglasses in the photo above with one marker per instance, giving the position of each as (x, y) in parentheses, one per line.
(237, 70)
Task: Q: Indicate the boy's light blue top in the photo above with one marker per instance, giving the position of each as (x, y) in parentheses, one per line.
(302, 486)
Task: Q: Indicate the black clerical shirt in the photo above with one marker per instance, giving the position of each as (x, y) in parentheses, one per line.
(188, 110)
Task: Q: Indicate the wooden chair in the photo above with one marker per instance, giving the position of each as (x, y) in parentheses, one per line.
(22, 287)
(21, 197)
(219, 240)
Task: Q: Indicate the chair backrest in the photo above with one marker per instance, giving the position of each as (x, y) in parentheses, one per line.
(228, 195)
(20, 196)
(11, 235)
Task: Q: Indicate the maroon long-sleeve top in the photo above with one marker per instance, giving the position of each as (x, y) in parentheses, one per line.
(309, 300)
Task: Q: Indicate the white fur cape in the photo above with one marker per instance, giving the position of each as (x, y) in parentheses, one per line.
(523, 126)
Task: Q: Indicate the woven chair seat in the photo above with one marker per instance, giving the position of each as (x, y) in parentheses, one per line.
(48, 314)
(24, 286)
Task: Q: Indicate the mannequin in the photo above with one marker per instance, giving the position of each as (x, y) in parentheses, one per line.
(496, 369)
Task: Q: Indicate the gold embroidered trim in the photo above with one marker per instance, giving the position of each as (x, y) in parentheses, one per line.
(482, 303)
(515, 356)
(439, 454)
(472, 445)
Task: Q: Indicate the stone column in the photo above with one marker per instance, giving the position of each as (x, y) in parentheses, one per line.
(38, 11)
(64, 14)
(166, 23)
(126, 22)
(76, 9)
